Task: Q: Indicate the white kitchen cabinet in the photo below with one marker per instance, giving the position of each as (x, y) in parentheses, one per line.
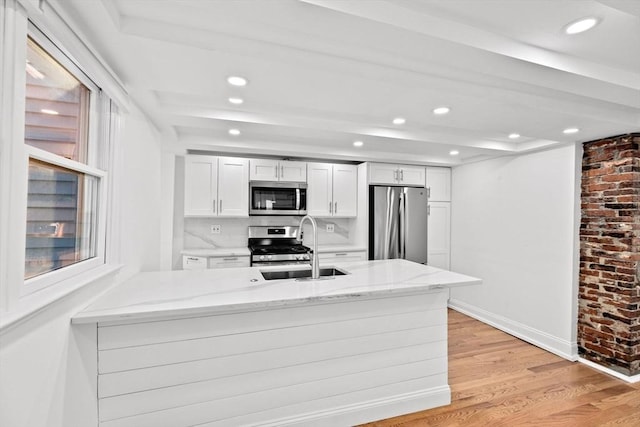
(384, 173)
(347, 256)
(439, 234)
(229, 261)
(277, 170)
(332, 190)
(190, 262)
(439, 184)
(216, 186)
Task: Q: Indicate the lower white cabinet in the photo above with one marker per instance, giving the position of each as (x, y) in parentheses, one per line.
(229, 261)
(439, 234)
(346, 256)
(190, 262)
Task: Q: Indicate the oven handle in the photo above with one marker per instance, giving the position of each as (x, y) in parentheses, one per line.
(297, 199)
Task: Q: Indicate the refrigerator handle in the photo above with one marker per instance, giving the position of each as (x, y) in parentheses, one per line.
(402, 219)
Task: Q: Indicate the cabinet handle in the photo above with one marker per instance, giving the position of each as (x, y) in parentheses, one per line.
(401, 175)
(428, 210)
(335, 209)
(230, 259)
(215, 205)
(428, 192)
(220, 207)
(395, 175)
(281, 172)
(193, 259)
(277, 172)
(342, 254)
(330, 207)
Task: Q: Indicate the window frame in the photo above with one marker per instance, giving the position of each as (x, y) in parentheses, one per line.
(96, 166)
(18, 19)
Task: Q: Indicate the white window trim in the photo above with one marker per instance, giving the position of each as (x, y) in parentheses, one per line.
(17, 305)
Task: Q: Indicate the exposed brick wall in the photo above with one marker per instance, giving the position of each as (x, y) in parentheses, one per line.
(609, 292)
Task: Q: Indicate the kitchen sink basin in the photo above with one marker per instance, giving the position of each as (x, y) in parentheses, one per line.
(325, 273)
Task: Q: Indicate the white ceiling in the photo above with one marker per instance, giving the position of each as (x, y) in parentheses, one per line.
(324, 73)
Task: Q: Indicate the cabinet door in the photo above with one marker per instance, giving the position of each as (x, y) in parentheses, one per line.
(345, 190)
(233, 187)
(439, 184)
(439, 234)
(264, 170)
(382, 173)
(200, 185)
(412, 175)
(319, 190)
(293, 171)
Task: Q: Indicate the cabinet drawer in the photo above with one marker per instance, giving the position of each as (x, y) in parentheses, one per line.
(194, 262)
(342, 256)
(229, 262)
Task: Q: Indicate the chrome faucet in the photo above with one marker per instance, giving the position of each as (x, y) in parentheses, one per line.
(315, 263)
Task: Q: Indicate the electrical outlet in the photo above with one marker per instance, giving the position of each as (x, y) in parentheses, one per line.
(215, 229)
(330, 228)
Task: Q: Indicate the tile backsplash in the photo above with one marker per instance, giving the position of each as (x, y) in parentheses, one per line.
(233, 231)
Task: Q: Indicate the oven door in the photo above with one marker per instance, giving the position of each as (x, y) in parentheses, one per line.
(277, 198)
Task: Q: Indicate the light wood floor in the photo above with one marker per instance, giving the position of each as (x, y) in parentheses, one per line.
(500, 381)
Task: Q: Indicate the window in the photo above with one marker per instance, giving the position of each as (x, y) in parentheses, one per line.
(64, 184)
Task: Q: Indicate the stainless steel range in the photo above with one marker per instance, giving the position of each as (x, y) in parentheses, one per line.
(276, 245)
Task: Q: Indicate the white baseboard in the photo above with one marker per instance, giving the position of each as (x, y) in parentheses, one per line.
(632, 379)
(372, 410)
(565, 349)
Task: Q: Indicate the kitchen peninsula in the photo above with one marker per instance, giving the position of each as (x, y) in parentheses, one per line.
(227, 347)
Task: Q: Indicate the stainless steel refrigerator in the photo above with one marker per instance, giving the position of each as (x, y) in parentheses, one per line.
(398, 223)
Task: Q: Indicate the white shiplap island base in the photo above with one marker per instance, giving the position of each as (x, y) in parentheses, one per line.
(227, 348)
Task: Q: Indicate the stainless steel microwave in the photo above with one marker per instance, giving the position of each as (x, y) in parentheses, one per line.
(277, 198)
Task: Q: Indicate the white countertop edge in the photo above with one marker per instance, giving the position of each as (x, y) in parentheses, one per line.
(104, 317)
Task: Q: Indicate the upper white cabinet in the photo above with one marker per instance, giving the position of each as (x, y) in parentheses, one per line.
(439, 184)
(383, 173)
(216, 186)
(332, 190)
(277, 170)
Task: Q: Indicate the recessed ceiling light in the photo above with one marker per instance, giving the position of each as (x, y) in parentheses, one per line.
(441, 110)
(237, 81)
(571, 130)
(399, 121)
(454, 152)
(581, 25)
(234, 132)
(358, 143)
(236, 101)
(47, 111)
(514, 135)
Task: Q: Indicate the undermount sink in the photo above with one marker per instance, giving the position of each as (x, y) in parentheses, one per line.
(325, 273)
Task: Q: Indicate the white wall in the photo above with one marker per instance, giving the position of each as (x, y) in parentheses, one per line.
(46, 366)
(514, 224)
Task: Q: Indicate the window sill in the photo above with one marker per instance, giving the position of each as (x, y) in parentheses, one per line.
(32, 304)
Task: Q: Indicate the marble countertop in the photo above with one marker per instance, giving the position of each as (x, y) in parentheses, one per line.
(244, 251)
(164, 294)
